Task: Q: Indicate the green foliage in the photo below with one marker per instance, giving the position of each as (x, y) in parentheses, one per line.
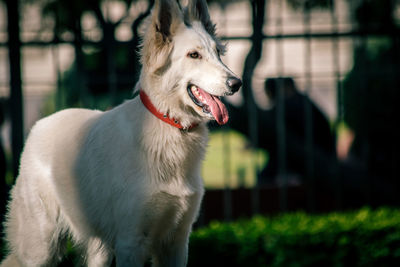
(362, 238)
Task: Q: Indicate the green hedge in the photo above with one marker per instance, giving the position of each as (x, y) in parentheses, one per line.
(362, 238)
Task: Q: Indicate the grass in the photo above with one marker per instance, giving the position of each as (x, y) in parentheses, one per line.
(230, 161)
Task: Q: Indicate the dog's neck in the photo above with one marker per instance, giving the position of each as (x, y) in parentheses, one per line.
(163, 116)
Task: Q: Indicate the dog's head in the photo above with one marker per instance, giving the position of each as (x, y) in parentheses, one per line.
(181, 58)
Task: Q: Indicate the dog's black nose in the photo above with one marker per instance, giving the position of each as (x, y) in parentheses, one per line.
(234, 84)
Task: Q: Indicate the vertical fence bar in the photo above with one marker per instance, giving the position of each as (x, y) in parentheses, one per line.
(258, 12)
(309, 157)
(337, 76)
(110, 46)
(395, 148)
(280, 116)
(362, 45)
(227, 175)
(56, 62)
(16, 97)
(80, 79)
(281, 143)
(258, 23)
(111, 67)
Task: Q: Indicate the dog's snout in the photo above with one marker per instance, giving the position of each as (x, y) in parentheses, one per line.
(234, 84)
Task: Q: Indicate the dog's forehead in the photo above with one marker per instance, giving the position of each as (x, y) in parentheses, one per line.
(196, 36)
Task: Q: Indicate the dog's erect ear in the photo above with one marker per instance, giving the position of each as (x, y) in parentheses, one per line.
(166, 18)
(198, 10)
(157, 45)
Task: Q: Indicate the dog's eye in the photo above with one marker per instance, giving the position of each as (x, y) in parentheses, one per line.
(194, 55)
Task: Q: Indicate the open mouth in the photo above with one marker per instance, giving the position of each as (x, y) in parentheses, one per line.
(210, 104)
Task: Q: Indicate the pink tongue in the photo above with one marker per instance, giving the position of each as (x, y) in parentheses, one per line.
(218, 109)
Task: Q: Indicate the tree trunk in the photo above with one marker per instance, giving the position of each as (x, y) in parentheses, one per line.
(258, 13)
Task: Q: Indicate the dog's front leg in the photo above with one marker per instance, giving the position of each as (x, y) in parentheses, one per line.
(98, 255)
(172, 254)
(129, 253)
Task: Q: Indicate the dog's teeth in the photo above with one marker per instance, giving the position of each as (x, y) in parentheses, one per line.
(196, 93)
(206, 109)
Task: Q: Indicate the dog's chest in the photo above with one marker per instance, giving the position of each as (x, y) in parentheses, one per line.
(173, 163)
(165, 213)
(173, 155)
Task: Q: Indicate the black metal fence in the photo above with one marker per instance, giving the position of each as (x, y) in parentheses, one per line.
(317, 164)
(322, 57)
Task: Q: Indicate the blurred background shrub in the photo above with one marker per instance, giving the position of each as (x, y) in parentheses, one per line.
(359, 238)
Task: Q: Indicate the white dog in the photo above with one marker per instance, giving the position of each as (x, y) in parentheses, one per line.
(126, 182)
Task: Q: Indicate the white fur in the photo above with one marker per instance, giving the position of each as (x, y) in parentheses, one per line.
(121, 183)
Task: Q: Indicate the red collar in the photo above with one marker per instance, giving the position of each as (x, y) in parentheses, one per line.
(164, 117)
